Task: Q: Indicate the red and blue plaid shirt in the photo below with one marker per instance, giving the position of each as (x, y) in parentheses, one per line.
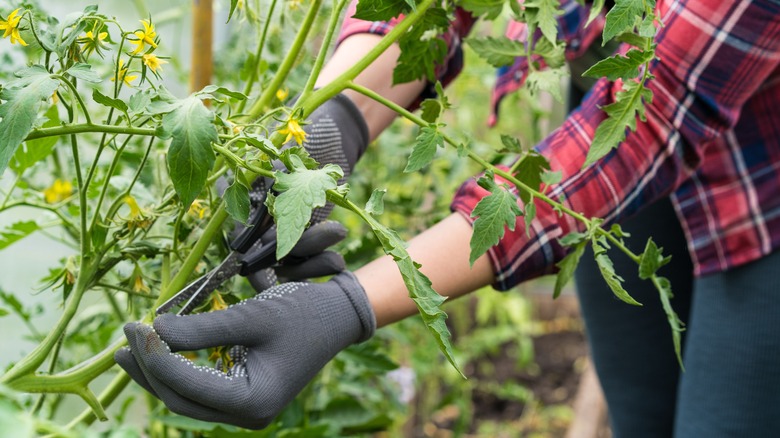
(711, 140)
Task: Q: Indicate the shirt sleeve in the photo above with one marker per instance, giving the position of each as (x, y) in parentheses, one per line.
(713, 56)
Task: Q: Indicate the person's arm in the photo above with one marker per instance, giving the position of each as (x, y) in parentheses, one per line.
(443, 251)
(375, 77)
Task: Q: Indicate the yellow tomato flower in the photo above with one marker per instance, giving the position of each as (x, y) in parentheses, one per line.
(93, 43)
(282, 94)
(293, 130)
(217, 303)
(11, 27)
(294, 5)
(140, 286)
(145, 36)
(153, 62)
(123, 76)
(59, 191)
(135, 210)
(198, 209)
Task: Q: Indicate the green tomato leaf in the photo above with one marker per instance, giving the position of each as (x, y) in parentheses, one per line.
(529, 214)
(375, 205)
(529, 171)
(621, 18)
(237, 202)
(233, 4)
(621, 115)
(607, 270)
(85, 73)
(210, 90)
(494, 213)
(190, 157)
(110, 102)
(491, 9)
(33, 151)
(595, 10)
(664, 287)
(573, 238)
(22, 99)
(619, 66)
(567, 266)
(651, 260)
(547, 80)
(17, 232)
(550, 178)
(543, 13)
(4, 312)
(380, 10)
(302, 190)
(424, 148)
(554, 53)
(511, 144)
(420, 291)
(430, 110)
(498, 52)
(140, 101)
(421, 48)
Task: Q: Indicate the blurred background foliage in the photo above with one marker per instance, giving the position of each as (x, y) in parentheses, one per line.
(398, 384)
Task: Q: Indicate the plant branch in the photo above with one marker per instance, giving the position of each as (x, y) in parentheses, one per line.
(253, 75)
(335, 14)
(77, 96)
(83, 238)
(268, 94)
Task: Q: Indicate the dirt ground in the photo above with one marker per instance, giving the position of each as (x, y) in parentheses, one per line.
(560, 357)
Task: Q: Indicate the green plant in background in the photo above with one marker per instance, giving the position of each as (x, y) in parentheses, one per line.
(128, 172)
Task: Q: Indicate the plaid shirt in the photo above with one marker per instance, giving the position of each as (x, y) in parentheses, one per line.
(711, 141)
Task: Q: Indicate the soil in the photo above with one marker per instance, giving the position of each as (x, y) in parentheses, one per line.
(560, 357)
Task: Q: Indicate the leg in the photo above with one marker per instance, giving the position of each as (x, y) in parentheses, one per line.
(632, 346)
(731, 386)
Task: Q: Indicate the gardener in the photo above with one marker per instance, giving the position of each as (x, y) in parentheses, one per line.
(710, 144)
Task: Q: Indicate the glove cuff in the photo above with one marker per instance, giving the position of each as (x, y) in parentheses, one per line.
(357, 296)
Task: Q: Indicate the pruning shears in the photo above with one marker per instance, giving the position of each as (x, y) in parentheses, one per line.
(248, 254)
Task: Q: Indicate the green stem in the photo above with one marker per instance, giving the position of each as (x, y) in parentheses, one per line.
(69, 226)
(318, 97)
(125, 290)
(262, 103)
(80, 128)
(129, 188)
(258, 55)
(320, 60)
(11, 190)
(84, 237)
(107, 182)
(109, 394)
(32, 361)
(188, 266)
(77, 96)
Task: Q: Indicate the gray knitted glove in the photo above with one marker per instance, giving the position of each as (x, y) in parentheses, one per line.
(291, 331)
(336, 133)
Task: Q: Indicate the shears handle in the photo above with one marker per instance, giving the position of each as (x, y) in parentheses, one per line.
(259, 222)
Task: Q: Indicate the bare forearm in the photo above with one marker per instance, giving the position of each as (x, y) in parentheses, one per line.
(443, 251)
(377, 77)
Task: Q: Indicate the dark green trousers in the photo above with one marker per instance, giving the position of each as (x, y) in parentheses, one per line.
(731, 383)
